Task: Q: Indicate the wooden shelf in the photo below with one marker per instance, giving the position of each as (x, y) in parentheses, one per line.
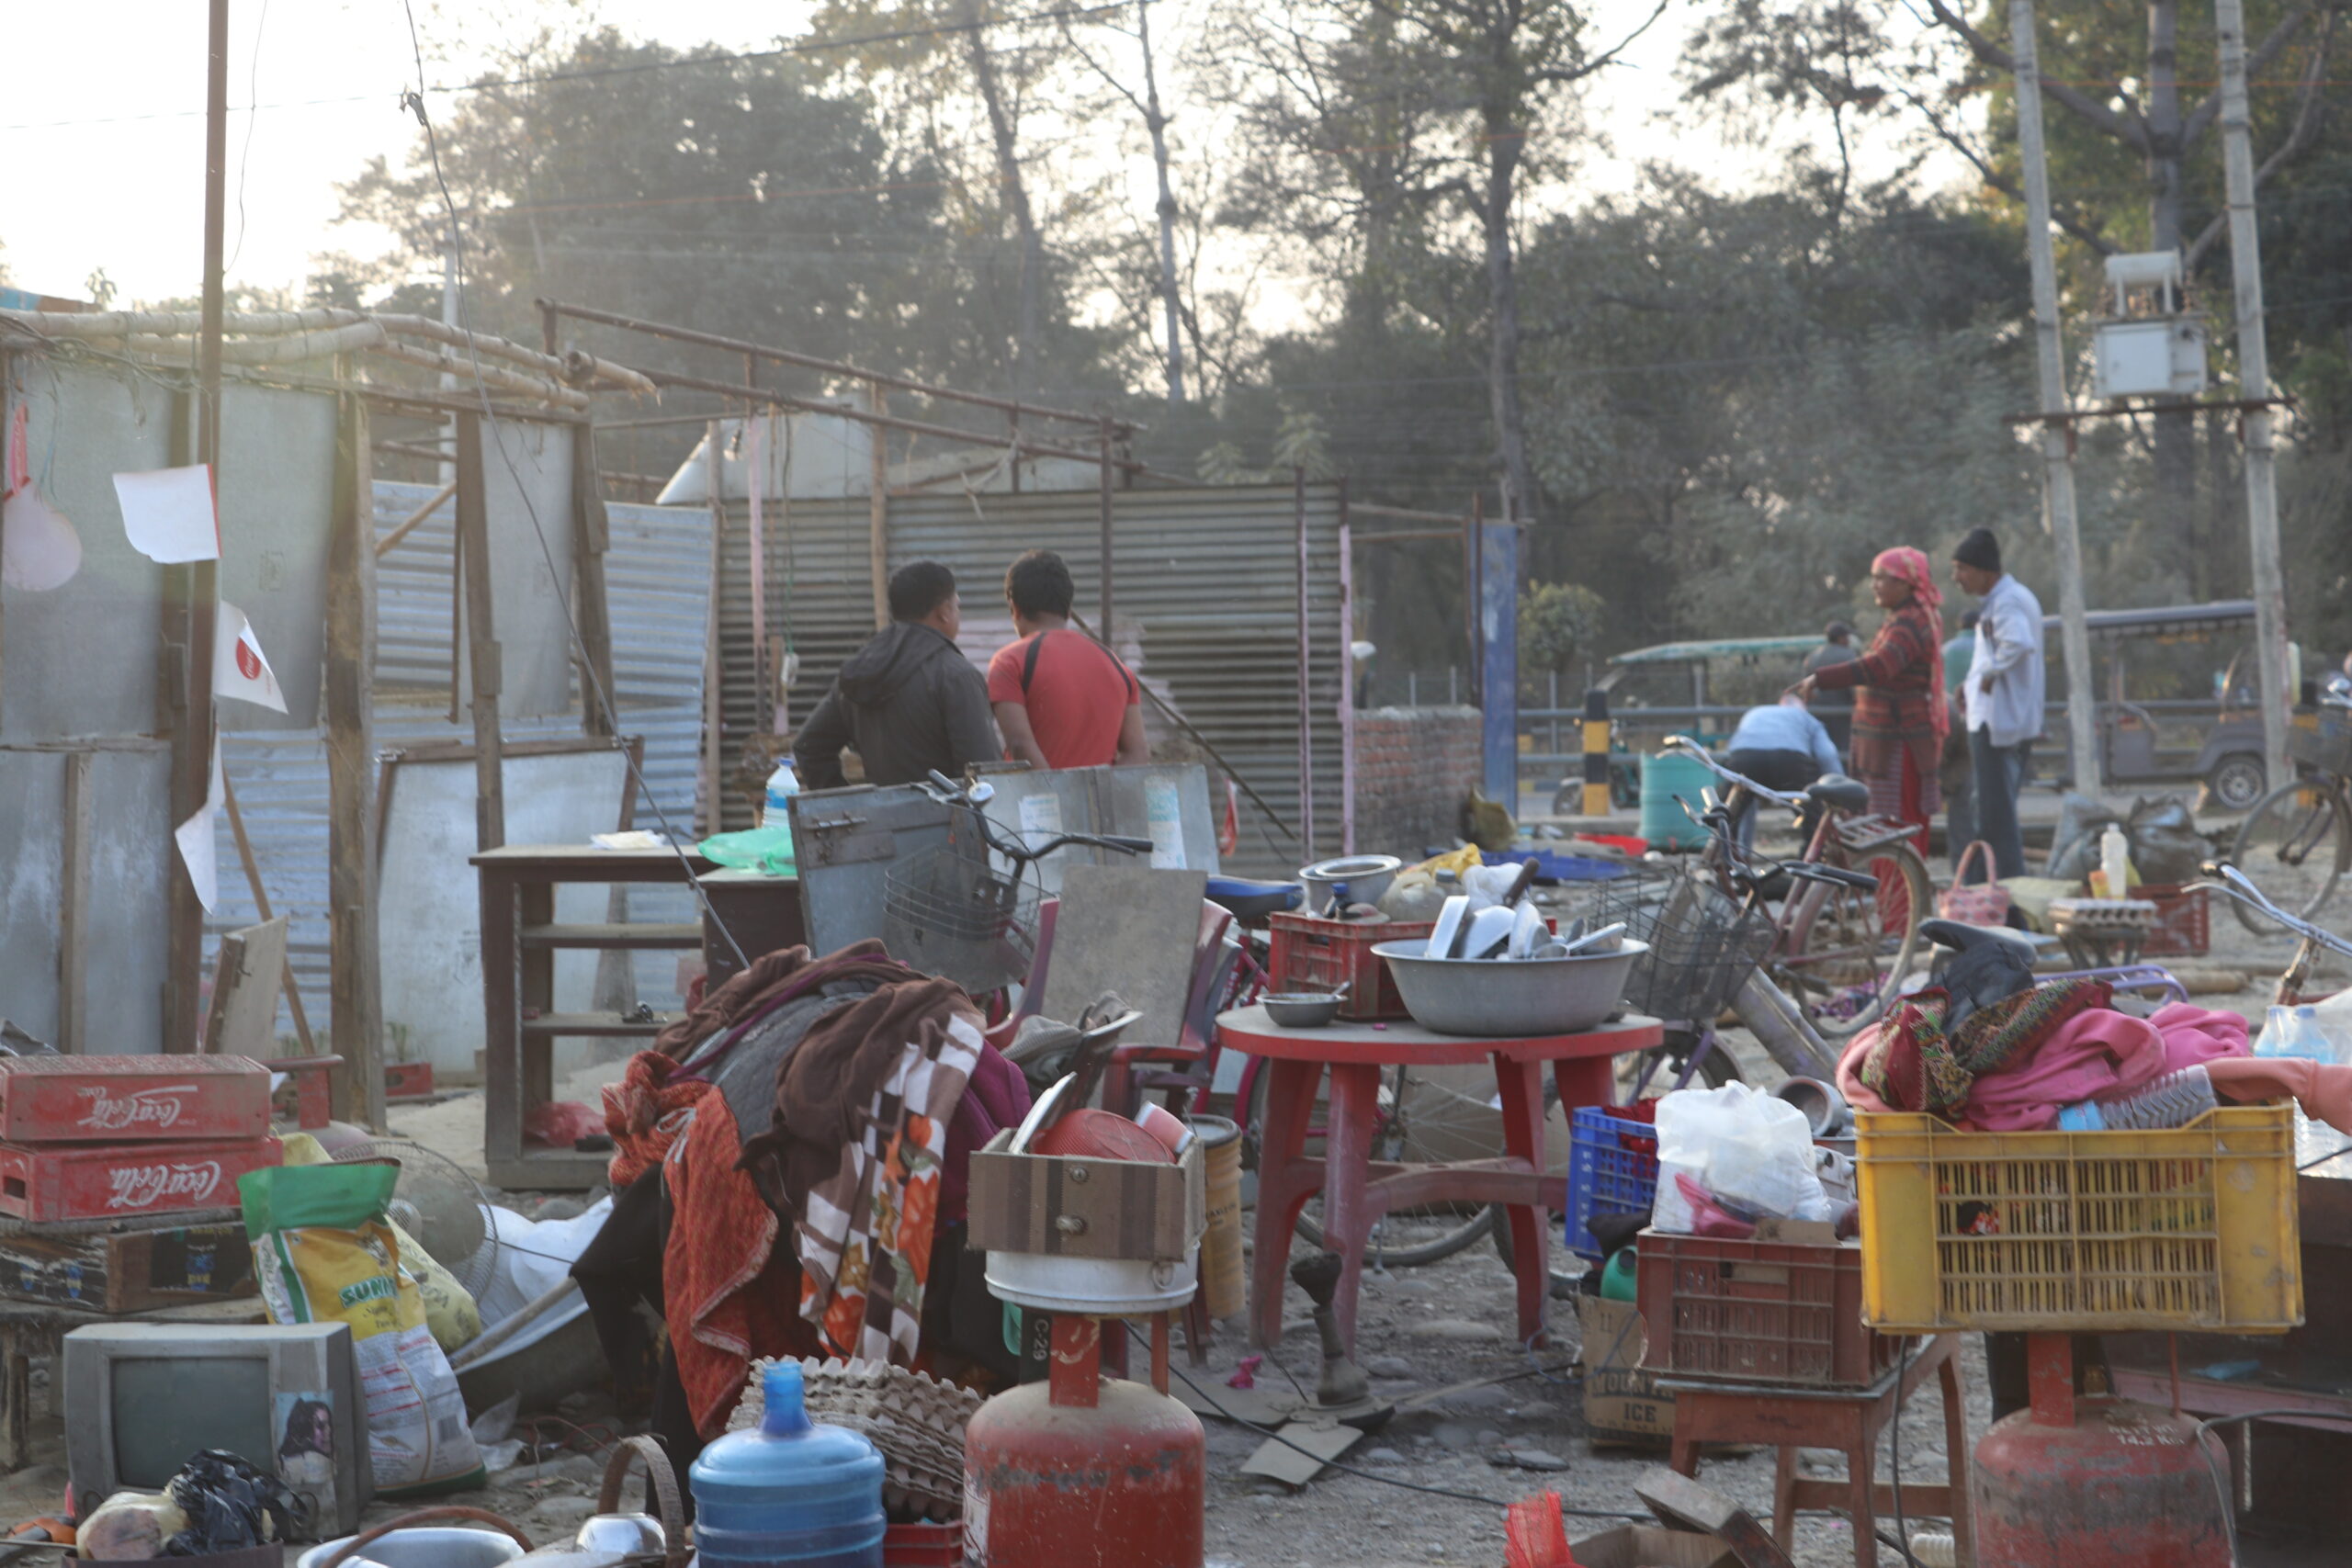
(639, 934)
(591, 1025)
(546, 1169)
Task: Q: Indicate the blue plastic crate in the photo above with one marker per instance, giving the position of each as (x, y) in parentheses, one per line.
(1604, 1177)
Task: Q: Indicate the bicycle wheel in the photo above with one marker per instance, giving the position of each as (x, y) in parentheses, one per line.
(1853, 947)
(2294, 845)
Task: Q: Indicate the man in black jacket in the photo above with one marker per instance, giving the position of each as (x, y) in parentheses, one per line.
(908, 701)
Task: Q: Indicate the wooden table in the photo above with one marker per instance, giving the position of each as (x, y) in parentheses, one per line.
(1357, 1190)
(1792, 1417)
(519, 941)
(34, 1329)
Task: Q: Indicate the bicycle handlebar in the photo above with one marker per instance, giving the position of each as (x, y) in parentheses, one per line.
(1706, 758)
(2238, 885)
(948, 792)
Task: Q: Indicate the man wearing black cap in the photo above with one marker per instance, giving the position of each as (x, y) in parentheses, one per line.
(2002, 695)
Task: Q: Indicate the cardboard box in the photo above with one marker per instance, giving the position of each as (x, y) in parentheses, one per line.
(99, 1181)
(1651, 1546)
(1622, 1400)
(123, 1099)
(1070, 1206)
(128, 1271)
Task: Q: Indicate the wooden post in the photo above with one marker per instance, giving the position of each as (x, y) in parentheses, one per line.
(714, 664)
(1306, 714)
(877, 542)
(592, 536)
(481, 640)
(1103, 483)
(355, 1014)
(1347, 678)
(73, 907)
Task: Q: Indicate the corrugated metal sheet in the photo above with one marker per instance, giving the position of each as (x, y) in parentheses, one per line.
(657, 577)
(1206, 610)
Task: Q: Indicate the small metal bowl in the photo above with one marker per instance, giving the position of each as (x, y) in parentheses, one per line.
(1302, 1009)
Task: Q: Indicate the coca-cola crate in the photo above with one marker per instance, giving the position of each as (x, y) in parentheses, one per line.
(122, 1100)
(95, 1181)
(2184, 924)
(1311, 954)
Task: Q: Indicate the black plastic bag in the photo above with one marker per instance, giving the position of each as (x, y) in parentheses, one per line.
(230, 1505)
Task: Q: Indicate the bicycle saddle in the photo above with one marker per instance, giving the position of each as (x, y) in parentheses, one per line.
(1837, 789)
(1250, 900)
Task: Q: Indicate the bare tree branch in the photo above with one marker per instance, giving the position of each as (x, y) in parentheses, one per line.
(1609, 58)
(2081, 228)
(2131, 129)
(2266, 53)
(2307, 114)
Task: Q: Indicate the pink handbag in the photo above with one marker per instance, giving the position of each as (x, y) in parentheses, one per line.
(1974, 904)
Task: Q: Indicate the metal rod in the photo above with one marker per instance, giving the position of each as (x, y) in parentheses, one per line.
(1103, 469)
(261, 906)
(2057, 444)
(409, 524)
(863, 416)
(829, 367)
(1347, 680)
(877, 521)
(1406, 514)
(2254, 386)
(1306, 725)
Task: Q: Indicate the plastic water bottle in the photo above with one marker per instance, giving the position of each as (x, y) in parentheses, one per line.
(776, 813)
(2302, 1031)
(2115, 860)
(790, 1492)
(2173, 1100)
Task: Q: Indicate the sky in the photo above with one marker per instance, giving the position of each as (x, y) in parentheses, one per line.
(105, 148)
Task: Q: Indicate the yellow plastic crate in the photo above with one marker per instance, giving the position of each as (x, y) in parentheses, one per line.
(2189, 1228)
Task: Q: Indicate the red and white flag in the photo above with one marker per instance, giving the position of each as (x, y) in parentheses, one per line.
(239, 669)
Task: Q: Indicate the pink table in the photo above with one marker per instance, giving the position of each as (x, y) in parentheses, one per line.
(1357, 1190)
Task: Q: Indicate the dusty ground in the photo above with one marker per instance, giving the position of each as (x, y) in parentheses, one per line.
(1419, 1329)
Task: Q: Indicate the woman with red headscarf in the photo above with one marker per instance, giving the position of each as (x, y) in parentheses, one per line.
(1899, 716)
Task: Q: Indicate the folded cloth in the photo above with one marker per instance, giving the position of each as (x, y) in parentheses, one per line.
(728, 1290)
(749, 991)
(996, 1098)
(2322, 1088)
(1912, 1064)
(645, 1112)
(2194, 1034)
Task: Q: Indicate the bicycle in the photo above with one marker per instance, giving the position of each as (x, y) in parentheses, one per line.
(1842, 945)
(2314, 941)
(2299, 837)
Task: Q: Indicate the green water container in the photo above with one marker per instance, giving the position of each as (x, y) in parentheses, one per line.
(1617, 1280)
(1664, 777)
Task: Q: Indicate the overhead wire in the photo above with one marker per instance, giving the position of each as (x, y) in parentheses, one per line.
(591, 683)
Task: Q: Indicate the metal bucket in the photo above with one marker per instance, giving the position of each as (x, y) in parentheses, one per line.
(425, 1546)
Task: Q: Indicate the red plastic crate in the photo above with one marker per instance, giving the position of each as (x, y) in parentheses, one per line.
(123, 1099)
(923, 1545)
(1759, 1311)
(104, 1181)
(2184, 921)
(1311, 954)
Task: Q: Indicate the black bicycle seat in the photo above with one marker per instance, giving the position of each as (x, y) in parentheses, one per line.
(1837, 789)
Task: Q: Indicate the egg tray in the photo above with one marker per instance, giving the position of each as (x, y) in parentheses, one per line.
(916, 1420)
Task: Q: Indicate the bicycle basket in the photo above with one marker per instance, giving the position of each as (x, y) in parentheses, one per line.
(2328, 748)
(1703, 946)
(950, 912)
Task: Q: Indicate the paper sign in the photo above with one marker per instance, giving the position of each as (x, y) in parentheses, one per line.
(1164, 820)
(195, 839)
(239, 669)
(39, 548)
(1041, 819)
(169, 514)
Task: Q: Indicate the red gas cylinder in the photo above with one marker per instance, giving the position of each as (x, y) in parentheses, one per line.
(1083, 1472)
(2095, 1482)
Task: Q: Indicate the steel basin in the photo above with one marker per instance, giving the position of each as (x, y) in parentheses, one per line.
(423, 1546)
(1520, 996)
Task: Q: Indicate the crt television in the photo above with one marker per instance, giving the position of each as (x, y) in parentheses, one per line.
(140, 1398)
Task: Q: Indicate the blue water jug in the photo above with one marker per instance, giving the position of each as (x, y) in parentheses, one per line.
(789, 1492)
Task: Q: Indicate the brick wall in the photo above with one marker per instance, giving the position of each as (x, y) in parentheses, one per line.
(1414, 769)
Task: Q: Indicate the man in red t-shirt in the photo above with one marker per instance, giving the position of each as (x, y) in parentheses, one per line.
(1062, 699)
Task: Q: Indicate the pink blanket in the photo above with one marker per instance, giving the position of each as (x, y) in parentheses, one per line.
(2093, 1055)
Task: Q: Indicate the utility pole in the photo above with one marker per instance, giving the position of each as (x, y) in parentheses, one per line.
(2058, 515)
(2254, 390)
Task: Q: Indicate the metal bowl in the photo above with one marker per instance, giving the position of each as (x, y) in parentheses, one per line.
(1302, 1009)
(423, 1546)
(1509, 996)
(1367, 877)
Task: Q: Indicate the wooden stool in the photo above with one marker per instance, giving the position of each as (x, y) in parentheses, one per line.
(1791, 1416)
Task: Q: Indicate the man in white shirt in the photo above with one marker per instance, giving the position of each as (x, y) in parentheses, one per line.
(2002, 695)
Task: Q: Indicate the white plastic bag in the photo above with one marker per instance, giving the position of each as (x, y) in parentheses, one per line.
(1748, 1148)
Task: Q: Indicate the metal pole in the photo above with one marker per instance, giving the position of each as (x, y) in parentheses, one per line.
(1105, 483)
(1347, 679)
(1305, 730)
(449, 318)
(2057, 435)
(2254, 386)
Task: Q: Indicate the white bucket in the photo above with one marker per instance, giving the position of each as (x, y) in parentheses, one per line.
(423, 1546)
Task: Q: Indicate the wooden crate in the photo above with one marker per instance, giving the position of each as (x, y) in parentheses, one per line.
(128, 1271)
(88, 1181)
(126, 1100)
